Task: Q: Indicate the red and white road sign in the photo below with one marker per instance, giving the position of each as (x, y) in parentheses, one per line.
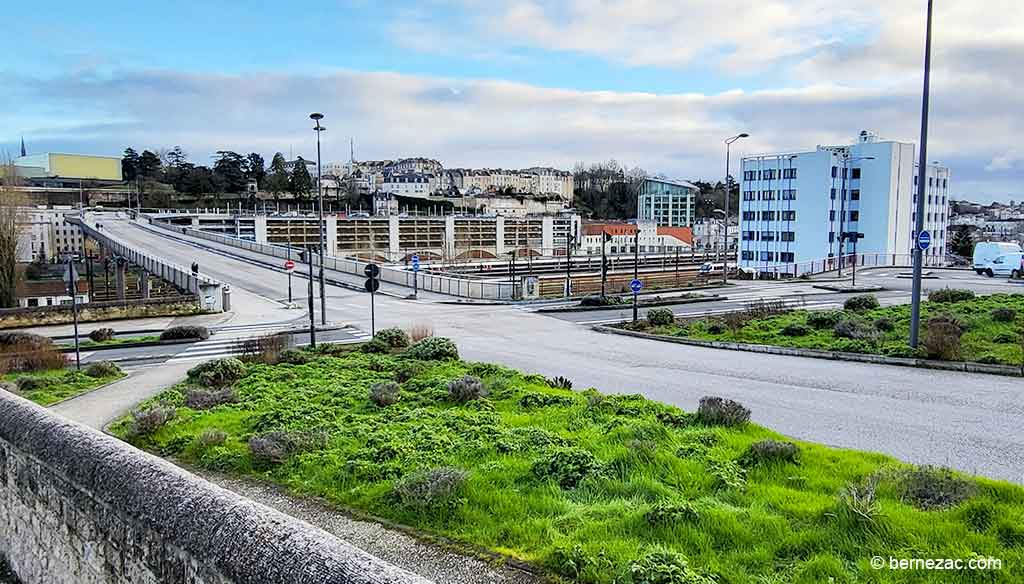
(289, 265)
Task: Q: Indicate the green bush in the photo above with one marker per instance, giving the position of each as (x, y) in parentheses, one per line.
(824, 320)
(598, 300)
(1006, 337)
(408, 370)
(715, 326)
(395, 338)
(660, 317)
(861, 303)
(989, 359)
(436, 488)
(27, 383)
(103, 369)
(668, 513)
(147, 421)
(101, 334)
(719, 411)
(466, 388)
(375, 346)
(434, 349)
(535, 399)
(204, 399)
(795, 330)
(25, 341)
(950, 295)
(857, 330)
(899, 350)
(665, 567)
(929, 487)
(885, 324)
(769, 451)
(384, 394)
(212, 437)
(1003, 314)
(217, 373)
(177, 333)
(294, 357)
(567, 466)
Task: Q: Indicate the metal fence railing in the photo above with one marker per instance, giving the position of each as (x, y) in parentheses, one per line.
(858, 260)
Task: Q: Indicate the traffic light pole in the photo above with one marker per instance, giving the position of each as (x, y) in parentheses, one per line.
(312, 312)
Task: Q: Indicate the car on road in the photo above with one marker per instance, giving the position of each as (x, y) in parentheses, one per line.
(987, 251)
(1010, 265)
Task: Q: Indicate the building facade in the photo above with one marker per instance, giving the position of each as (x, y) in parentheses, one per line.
(53, 169)
(794, 207)
(669, 203)
(44, 235)
(652, 238)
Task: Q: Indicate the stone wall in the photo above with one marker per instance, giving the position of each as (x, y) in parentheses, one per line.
(98, 311)
(80, 507)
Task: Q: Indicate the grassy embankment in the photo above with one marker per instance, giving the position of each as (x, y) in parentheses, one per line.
(595, 488)
(49, 387)
(983, 329)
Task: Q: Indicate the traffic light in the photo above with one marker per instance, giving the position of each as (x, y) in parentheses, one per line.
(372, 272)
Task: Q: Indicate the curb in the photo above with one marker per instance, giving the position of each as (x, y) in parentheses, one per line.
(91, 348)
(849, 289)
(963, 366)
(626, 305)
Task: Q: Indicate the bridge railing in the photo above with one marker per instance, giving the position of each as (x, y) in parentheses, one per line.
(453, 286)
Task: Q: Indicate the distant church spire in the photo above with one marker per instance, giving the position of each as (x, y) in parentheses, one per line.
(23, 153)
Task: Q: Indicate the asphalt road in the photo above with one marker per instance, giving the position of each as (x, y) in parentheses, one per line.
(968, 421)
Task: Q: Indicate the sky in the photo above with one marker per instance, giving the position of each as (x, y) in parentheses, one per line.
(657, 84)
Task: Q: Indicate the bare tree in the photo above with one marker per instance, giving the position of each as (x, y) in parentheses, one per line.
(10, 230)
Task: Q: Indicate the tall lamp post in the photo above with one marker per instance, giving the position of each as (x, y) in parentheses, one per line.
(728, 194)
(847, 159)
(915, 305)
(316, 117)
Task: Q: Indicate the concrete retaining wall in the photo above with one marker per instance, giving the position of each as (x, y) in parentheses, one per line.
(98, 311)
(80, 507)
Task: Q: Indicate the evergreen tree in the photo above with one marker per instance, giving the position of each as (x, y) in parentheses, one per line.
(277, 180)
(230, 170)
(149, 165)
(962, 243)
(300, 184)
(130, 164)
(254, 168)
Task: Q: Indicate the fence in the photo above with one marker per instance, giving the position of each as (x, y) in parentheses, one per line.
(461, 287)
(849, 261)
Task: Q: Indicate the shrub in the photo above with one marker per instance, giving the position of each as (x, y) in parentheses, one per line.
(598, 300)
(567, 466)
(263, 349)
(665, 567)
(899, 350)
(989, 359)
(861, 303)
(375, 346)
(716, 326)
(857, 330)
(950, 295)
(720, 411)
(1003, 314)
(384, 394)
(660, 317)
(860, 500)
(941, 339)
(294, 357)
(271, 448)
(101, 334)
(824, 320)
(30, 354)
(217, 373)
(929, 487)
(395, 338)
(770, 451)
(103, 369)
(1006, 337)
(735, 321)
(145, 422)
(176, 333)
(213, 437)
(560, 382)
(408, 370)
(669, 512)
(28, 383)
(434, 349)
(885, 324)
(535, 399)
(466, 388)
(204, 399)
(795, 330)
(436, 488)
(418, 332)
(24, 341)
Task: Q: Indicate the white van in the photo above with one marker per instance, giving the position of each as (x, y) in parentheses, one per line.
(986, 251)
(1006, 265)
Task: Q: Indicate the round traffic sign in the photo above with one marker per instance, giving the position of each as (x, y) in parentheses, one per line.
(371, 270)
(636, 286)
(372, 285)
(289, 265)
(924, 240)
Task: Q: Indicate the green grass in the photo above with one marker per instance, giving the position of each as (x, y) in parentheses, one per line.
(89, 343)
(984, 339)
(62, 384)
(775, 522)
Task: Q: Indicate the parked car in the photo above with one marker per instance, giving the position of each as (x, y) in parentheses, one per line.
(1010, 265)
(987, 251)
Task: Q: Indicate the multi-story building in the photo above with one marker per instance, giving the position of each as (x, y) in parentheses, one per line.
(795, 206)
(652, 238)
(411, 184)
(669, 203)
(45, 235)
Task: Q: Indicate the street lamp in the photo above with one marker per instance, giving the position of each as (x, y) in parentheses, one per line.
(915, 295)
(728, 193)
(316, 117)
(725, 251)
(847, 159)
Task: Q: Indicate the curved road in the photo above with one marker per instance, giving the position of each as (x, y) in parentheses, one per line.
(967, 421)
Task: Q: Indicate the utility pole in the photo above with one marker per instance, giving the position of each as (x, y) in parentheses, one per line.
(316, 117)
(636, 269)
(728, 195)
(604, 261)
(915, 306)
(312, 313)
(569, 241)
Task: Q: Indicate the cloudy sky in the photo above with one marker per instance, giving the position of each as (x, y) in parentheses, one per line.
(652, 83)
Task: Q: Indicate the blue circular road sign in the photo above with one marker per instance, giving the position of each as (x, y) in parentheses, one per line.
(924, 240)
(416, 263)
(636, 285)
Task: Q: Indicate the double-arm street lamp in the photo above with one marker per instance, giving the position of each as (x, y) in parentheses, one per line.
(728, 194)
(316, 117)
(847, 159)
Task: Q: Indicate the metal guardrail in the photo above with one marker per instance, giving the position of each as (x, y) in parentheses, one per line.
(209, 291)
(859, 260)
(460, 287)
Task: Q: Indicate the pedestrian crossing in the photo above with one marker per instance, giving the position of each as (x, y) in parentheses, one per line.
(216, 348)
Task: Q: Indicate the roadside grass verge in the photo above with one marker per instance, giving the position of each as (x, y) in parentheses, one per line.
(592, 488)
(987, 335)
(49, 387)
(85, 342)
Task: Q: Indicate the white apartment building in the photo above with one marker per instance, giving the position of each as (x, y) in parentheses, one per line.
(412, 184)
(45, 235)
(795, 206)
(669, 203)
(652, 238)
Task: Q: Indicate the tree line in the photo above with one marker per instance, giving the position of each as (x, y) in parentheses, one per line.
(230, 172)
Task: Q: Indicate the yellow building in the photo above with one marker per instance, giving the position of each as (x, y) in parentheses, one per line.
(57, 168)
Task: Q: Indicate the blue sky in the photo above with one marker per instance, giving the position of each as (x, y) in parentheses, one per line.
(652, 83)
